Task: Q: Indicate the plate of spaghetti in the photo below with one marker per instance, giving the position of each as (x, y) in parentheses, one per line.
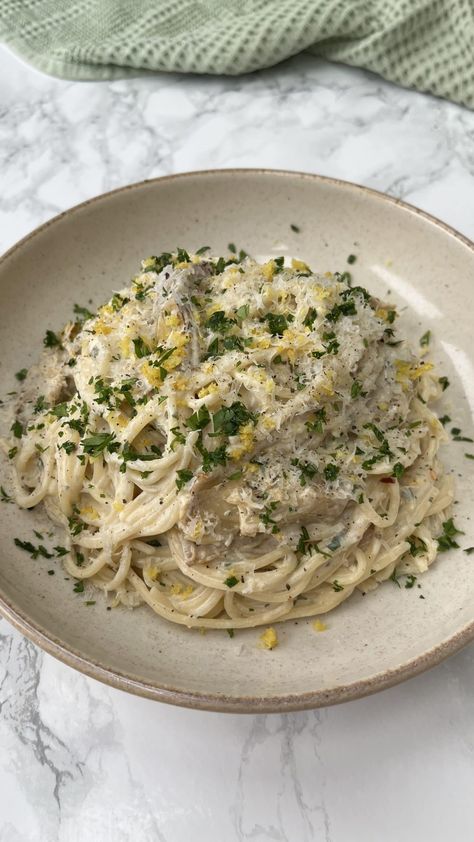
(236, 440)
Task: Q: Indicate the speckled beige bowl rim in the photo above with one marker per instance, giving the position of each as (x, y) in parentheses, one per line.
(218, 702)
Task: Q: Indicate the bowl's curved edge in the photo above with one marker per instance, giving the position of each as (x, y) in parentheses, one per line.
(234, 704)
(221, 703)
(324, 179)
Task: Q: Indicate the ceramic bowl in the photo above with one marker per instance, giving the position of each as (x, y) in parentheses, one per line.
(425, 267)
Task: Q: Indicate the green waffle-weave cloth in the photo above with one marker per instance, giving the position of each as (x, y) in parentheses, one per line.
(422, 44)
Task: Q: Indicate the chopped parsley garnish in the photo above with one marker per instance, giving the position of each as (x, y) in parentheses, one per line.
(320, 418)
(40, 404)
(157, 263)
(356, 389)
(232, 248)
(79, 586)
(417, 546)
(51, 340)
(332, 346)
(60, 551)
(343, 278)
(142, 291)
(163, 356)
(182, 256)
(83, 313)
(295, 228)
(234, 476)
(184, 476)
(211, 458)
(220, 265)
(469, 455)
(78, 424)
(213, 348)
(425, 339)
(367, 464)
(377, 433)
(267, 519)
(125, 389)
(410, 580)
(28, 547)
(383, 450)
(278, 323)
(230, 632)
(446, 540)
(457, 435)
(394, 577)
(391, 316)
(103, 392)
(242, 312)
(117, 302)
(202, 250)
(141, 348)
(228, 420)
(129, 454)
(444, 383)
(4, 497)
(398, 470)
(306, 546)
(330, 472)
(179, 438)
(198, 420)
(75, 524)
(308, 470)
(469, 550)
(17, 429)
(445, 419)
(98, 443)
(21, 375)
(219, 323)
(347, 308)
(351, 259)
(310, 317)
(231, 581)
(336, 586)
(361, 291)
(60, 410)
(12, 452)
(233, 343)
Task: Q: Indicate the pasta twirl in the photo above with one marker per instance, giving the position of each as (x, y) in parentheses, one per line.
(234, 443)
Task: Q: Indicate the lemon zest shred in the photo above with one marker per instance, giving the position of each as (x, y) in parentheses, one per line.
(269, 638)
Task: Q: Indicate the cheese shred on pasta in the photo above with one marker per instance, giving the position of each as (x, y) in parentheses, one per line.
(234, 443)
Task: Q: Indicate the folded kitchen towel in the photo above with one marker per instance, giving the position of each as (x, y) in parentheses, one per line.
(422, 44)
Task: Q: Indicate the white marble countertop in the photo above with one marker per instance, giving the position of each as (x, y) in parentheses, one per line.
(80, 762)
